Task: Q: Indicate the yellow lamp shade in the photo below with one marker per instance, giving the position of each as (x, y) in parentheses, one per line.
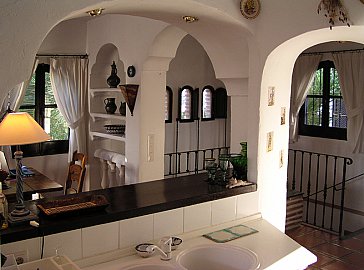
(21, 128)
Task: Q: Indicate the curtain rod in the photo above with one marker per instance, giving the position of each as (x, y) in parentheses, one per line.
(63, 55)
(340, 51)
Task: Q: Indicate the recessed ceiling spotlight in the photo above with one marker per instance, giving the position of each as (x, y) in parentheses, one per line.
(189, 19)
(95, 12)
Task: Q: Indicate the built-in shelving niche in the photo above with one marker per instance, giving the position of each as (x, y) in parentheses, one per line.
(99, 90)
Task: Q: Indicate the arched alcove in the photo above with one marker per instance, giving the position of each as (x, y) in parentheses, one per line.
(100, 71)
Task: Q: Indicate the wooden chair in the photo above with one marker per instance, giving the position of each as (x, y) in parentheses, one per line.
(76, 173)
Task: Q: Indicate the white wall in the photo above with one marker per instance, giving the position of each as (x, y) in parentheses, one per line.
(258, 53)
(192, 66)
(132, 50)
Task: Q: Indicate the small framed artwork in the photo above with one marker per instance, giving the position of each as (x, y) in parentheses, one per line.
(281, 156)
(269, 141)
(283, 115)
(271, 93)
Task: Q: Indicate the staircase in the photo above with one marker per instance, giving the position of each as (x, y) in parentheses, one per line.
(320, 179)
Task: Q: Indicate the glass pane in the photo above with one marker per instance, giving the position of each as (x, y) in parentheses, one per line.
(49, 96)
(206, 103)
(166, 105)
(337, 113)
(55, 125)
(334, 83)
(186, 104)
(30, 111)
(29, 98)
(317, 85)
(313, 111)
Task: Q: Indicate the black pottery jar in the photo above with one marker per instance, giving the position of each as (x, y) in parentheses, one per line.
(122, 108)
(110, 105)
(113, 80)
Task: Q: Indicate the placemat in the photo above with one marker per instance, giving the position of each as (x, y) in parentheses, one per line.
(231, 233)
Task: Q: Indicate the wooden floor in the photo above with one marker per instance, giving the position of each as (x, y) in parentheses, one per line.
(332, 253)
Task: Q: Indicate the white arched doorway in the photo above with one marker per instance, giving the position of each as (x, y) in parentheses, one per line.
(277, 73)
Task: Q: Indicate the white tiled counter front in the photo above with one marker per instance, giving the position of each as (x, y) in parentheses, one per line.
(275, 250)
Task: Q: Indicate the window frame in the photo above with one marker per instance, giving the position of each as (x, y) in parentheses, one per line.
(324, 131)
(208, 87)
(194, 104)
(53, 147)
(169, 92)
(220, 103)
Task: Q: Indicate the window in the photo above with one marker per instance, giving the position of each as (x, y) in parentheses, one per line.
(39, 102)
(323, 114)
(168, 99)
(207, 103)
(187, 104)
(220, 103)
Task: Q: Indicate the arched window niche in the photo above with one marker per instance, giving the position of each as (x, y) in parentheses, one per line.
(220, 103)
(187, 104)
(168, 101)
(207, 108)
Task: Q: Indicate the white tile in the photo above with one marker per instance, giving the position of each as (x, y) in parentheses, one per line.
(247, 204)
(168, 223)
(100, 239)
(67, 243)
(136, 230)
(32, 246)
(196, 216)
(223, 210)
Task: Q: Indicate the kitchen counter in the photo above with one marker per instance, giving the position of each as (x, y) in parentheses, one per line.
(275, 250)
(127, 202)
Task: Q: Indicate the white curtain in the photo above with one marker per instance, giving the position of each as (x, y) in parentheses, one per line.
(350, 67)
(13, 100)
(15, 96)
(69, 83)
(302, 79)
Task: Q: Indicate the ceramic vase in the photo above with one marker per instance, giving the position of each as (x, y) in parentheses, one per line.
(113, 80)
(110, 106)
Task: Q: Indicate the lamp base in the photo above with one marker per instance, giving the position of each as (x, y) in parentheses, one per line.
(21, 215)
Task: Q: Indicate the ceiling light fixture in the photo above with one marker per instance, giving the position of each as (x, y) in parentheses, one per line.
(335, 11)
(189, 19)
(95, 12)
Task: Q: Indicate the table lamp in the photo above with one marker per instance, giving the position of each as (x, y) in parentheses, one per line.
(17, 129)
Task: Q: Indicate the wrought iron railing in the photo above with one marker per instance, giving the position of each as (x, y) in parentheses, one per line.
(187, 162)
(321, 178)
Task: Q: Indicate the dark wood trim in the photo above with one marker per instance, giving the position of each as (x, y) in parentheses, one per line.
(209, 87)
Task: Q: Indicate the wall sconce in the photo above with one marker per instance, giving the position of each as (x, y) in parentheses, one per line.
(130, 92)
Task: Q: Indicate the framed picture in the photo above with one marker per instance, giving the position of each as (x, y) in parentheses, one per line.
(283, 115)
(271, 93)
(250, 8)
(269, 141)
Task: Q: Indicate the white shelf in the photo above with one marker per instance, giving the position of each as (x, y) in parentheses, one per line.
(98, 91)
(108, 116)
(116, 137)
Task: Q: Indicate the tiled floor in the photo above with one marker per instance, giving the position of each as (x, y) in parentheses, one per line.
(332, 253)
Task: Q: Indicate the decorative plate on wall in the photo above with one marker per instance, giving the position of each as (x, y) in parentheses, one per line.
(250, 8)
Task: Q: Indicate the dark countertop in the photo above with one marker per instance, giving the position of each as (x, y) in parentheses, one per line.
(126, 202)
